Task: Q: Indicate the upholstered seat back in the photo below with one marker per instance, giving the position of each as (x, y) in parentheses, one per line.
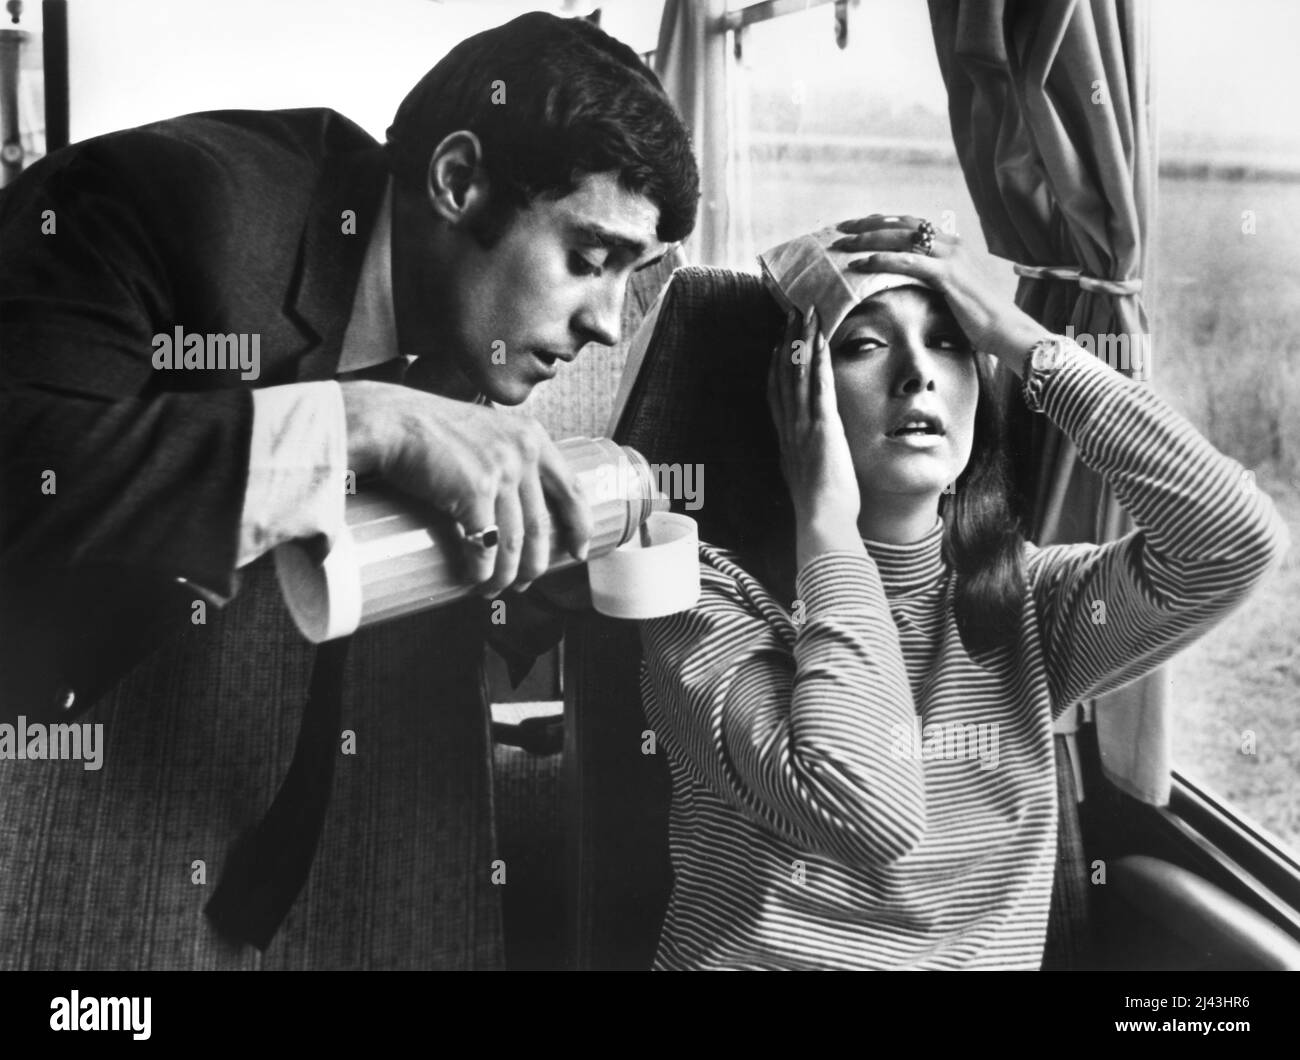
(579, 400)
(110, 869)
(698, 397)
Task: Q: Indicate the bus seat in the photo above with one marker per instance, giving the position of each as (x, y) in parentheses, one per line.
(527, 785)
(578, 401)
(699, 398)
(1159, 916)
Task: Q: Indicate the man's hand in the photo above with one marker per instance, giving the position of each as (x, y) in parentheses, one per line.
(480, 466)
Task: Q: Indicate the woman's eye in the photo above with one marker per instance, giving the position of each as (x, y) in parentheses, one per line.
(859, 346)
(581, 266)
(948, 342)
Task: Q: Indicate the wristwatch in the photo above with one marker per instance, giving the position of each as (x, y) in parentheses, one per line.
(1045, 358)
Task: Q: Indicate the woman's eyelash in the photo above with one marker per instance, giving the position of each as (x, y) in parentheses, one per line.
(861, 346)
(937, 342)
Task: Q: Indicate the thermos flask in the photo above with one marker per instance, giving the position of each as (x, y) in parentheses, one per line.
(395, 557)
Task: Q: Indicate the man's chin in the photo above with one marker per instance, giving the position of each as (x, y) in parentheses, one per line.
(507, 391)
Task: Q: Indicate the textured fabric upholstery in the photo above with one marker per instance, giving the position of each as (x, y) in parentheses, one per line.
(531, 811)
(99, 869)
(579, 399)
(699, 397)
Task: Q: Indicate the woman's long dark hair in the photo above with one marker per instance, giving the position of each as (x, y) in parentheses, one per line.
(982, 540)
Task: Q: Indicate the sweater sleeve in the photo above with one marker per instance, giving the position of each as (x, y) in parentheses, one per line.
(802, 739)
(1205, 536)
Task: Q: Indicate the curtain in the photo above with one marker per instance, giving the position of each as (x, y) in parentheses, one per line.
(693, 62)
(1050, 106)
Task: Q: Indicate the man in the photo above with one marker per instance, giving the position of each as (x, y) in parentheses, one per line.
(185, 310)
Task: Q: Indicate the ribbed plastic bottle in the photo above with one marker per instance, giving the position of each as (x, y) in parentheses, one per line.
(395, 557)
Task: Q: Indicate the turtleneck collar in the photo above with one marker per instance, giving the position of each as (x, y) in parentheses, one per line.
(911, 567)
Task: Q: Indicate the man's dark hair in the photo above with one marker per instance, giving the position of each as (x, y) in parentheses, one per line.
(551, 100)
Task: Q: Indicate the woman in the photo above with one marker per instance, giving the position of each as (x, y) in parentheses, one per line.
(865, 778)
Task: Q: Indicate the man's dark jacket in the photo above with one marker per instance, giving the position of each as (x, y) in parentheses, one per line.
(224, 223)
(228, 222)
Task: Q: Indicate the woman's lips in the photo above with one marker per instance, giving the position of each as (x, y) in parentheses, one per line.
(916, 440)
(917, 421)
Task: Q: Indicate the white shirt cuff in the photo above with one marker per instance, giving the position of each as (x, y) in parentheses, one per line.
(296, 467)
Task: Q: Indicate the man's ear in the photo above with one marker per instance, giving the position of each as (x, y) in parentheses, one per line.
(457, 184)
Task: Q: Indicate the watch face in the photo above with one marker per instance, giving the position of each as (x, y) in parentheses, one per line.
(1048, 355)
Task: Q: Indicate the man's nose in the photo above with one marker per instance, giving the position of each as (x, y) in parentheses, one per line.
(601, 317)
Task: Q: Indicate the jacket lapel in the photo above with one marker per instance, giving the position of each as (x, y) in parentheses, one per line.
(332, 249)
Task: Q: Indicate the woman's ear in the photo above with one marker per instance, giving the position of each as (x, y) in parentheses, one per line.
(457, 184)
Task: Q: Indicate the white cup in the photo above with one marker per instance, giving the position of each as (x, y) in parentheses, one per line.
(636, 581)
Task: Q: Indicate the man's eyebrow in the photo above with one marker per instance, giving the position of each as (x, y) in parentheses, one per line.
(595, 233)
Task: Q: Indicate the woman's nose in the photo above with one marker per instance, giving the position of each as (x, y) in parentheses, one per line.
(914, 370)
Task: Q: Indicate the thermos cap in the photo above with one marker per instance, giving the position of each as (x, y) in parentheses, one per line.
(635, 581)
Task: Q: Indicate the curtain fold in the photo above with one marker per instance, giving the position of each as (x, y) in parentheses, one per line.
(1050, 108)
(694, 64)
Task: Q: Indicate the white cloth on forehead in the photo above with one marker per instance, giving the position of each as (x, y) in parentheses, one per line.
(805, 273)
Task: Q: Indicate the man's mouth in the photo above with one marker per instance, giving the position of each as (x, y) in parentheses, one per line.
(549, 358)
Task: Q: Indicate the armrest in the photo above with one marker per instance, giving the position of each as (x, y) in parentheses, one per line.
(1218, 927)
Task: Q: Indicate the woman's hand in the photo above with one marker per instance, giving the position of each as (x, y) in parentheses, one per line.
(991, 323)
(815, 456)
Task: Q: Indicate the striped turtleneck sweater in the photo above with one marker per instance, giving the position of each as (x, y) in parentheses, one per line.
(851, 787)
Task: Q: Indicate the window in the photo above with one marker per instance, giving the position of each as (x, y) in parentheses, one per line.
(1224, 300)
(836, 133)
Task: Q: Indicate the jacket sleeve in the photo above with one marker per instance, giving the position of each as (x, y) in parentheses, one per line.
(802, 739)
(1205, 537)
(100, 466)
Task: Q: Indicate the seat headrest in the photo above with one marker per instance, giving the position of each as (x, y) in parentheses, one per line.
(700, 399)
